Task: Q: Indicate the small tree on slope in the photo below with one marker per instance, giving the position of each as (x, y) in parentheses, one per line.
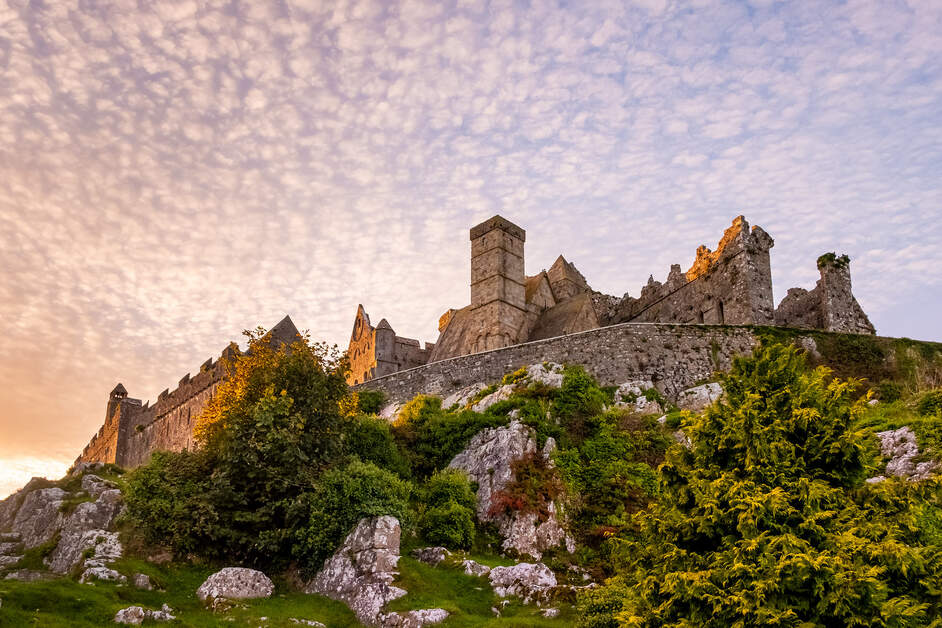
(766, 520)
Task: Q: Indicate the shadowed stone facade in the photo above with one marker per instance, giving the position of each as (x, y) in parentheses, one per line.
(133, 430)
(731, 285)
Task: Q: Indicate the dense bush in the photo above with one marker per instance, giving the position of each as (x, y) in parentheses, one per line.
(431, 437)
(611, 474)
(321, 519)
(170, 502)
(579, 396)
(766, 519)
(448, 517)
(930, 403)
(370, 401)
(370, 439)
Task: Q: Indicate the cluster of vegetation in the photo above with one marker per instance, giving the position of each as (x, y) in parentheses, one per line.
(766, 518)
(762, 516)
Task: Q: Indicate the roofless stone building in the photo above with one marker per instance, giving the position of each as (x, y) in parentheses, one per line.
(729, 286)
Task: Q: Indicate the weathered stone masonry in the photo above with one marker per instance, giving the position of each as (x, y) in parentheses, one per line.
(731, 285)
(674, 357)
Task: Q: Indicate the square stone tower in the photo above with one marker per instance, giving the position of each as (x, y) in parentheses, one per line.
(498, 284)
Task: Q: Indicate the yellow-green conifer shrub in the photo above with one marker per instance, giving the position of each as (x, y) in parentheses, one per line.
(766, 519)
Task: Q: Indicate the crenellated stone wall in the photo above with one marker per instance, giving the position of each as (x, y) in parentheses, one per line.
(132, 431)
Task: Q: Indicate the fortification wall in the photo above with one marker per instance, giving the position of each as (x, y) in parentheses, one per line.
(674, 357)
(168, 424)
(103, 446)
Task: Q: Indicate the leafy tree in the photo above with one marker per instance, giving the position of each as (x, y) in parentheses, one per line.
(271, 429)
(765, 520)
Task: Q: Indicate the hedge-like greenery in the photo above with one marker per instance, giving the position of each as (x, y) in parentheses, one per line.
(766, 521)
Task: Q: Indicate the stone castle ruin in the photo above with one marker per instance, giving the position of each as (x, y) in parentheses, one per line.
(729, 286)
(674, 333)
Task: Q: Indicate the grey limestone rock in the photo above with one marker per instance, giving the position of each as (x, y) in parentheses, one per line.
(85, 528)
(135, 615)
(235, 583)
(532, 582)
(414, 619)
(361, 572)
(95, 486)
(143, 582)
(474, 568)
(501, 394)
(101, 573)
(431, 555)
(487, 460)
(630, 395)
(699, 398)
(463, 396)
(902, 450)
(38, 518)
(549, 374)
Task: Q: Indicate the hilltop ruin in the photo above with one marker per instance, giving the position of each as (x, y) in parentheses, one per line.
(729, 286)
(673, 334)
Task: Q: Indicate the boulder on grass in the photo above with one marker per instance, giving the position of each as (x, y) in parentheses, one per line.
(236, 583)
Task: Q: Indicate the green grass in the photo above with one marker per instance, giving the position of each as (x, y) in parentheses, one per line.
(66, 603)
(468, 599)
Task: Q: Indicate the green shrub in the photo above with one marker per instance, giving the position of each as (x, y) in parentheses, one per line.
(451, 526)
(889, 391)
(579, 396)
(170, 502)
(370, 439)
(611, 474)
(370, 401)
(766, 519)
(930, 403)
(431, 437)
(323, 517)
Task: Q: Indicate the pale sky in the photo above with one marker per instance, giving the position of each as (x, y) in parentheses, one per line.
(174, 172)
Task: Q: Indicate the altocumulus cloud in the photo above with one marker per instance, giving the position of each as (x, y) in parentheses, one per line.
(173, 172)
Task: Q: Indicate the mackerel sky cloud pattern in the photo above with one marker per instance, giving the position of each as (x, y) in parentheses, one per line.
(174, 172)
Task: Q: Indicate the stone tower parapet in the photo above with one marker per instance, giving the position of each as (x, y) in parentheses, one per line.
(830, 306)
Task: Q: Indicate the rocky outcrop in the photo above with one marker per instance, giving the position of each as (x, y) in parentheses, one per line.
(135, 615)
(86, 541)
(87, 528)
(699, 398)
(38, 518)
(463, 396)
(487, 460)
(902, 451)
(501, 394)
(361, 572)
(533, 583)
(235, 583)
(632, 396)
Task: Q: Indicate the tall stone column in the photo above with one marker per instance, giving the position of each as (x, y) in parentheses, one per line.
(498, 284)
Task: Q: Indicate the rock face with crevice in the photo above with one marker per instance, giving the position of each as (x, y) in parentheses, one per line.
(488, 461)
(86, 542)
(361, 573)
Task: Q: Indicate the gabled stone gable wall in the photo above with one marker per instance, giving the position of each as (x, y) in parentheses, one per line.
(830, 306)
